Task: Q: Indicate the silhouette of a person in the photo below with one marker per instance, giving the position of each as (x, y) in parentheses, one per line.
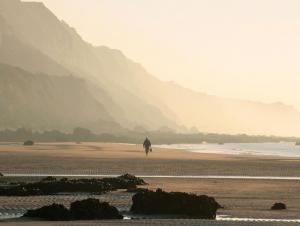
(147, 145)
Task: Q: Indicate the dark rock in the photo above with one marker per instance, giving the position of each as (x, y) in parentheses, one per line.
(93, 209)
(132, 179)
(54, 212)
(28, 143)
(48, 179)
(70, 186)
(64, 179)
(135, 190)
(51, 185)
(88, 209)
(174, 203)
(279, 206)
(125, 181)
(18, 190)
(1, 175)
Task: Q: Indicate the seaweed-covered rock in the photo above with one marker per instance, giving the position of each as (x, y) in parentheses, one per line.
(93, 209)
(54, 212)
(135, 190)
(20, 191)
(125, 181)
(64, 179)
(28, 143)
(132, 179)
(51, 185)
(48, 179)
(174, 203)
(279, 206)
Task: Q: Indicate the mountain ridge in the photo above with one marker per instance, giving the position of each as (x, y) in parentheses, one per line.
(42, 102)
(129, 94)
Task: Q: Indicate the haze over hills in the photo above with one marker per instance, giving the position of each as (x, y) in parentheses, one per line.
(65, 82)
(41, 102)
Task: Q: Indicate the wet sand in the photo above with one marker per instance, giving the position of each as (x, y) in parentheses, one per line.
(99, 158)
(241, 198)
(154, 222)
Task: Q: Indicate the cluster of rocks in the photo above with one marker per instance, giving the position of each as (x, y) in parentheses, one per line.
(88, 209)
(144, 202)
(174, 203)
(51, 185)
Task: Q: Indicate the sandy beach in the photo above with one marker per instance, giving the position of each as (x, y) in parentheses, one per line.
(242, 198)
(105, 158)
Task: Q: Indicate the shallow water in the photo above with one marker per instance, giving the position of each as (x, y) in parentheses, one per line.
(219, 218)
(229, 218)
(157, 176)
(285, 149)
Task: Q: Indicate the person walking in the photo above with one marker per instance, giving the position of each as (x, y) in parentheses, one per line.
(147, 146)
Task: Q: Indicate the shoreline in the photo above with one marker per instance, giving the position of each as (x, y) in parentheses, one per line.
(267, 149)
(117, 159)
(161, 147)
(156, 176)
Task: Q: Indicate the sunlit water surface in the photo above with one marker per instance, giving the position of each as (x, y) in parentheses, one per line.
(285, 149)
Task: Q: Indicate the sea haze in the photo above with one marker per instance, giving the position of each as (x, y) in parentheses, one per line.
(286, 149)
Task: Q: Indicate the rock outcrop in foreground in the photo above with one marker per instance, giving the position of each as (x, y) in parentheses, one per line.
(89, 209)
(174, 203)
(92, 209)
(54, 212)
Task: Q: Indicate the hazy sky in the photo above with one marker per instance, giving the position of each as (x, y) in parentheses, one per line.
(248, 49)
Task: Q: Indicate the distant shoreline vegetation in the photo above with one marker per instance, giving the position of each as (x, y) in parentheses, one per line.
(157, 137)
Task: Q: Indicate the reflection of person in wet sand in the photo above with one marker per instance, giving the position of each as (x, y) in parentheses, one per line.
(147, 145)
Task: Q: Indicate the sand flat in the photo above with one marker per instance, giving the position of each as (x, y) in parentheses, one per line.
(105, 158)
(241, 198)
